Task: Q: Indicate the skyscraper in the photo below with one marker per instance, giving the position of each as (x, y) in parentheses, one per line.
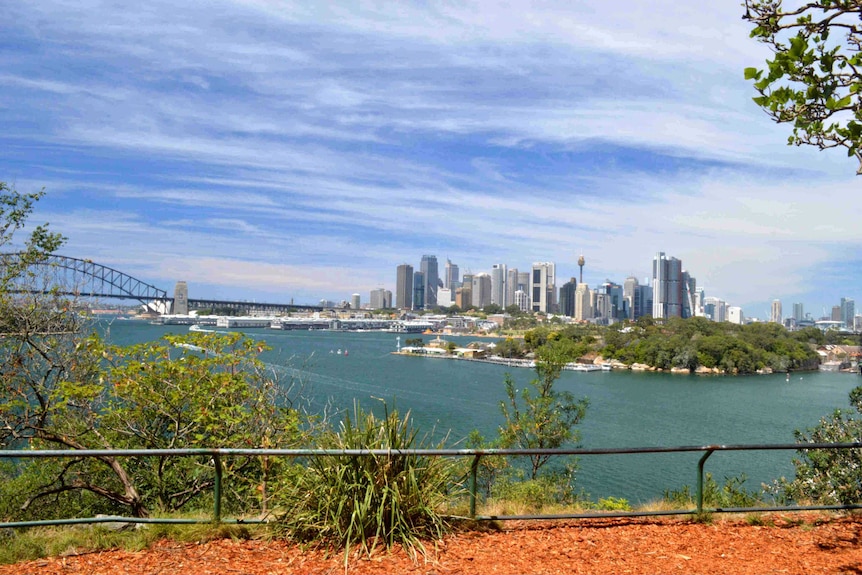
(355, 301)
(542, 288)
(775, 315)
(642, 301)
(380, 298)
(602, 308)
(715, 309)
(452, 279)
(689, 289)
(848, 311)
(481, 290)
(499, 276)
(667, 283)
(466, 291)
(511, 286)
(419, 290)
(583, 303)
(404, 287)
(630, 288)
(432, 279)
(618, 305)
(567, 298)
(798, 312)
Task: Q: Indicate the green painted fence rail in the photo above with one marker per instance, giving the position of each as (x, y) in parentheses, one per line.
(217, 454)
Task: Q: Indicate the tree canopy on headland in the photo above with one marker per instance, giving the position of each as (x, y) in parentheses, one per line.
(691, 344)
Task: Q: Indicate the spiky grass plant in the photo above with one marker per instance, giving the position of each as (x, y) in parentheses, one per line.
(371, 500)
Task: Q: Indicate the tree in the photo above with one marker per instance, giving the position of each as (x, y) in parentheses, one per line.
(15, 209)
(62, 387)
(200, 390)
(813, 82)
(829, 477)
(540, 417)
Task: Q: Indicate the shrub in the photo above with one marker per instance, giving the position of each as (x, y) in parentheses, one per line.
(731, 494)
(369, 500)
(548, 489)
(828, 476)
(613, 504)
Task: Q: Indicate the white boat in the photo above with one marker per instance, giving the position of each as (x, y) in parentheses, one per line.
(582, 367)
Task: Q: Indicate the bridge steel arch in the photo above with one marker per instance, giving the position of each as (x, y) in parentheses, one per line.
(85, 278)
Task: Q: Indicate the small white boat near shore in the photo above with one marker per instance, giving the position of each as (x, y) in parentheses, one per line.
(582, 367)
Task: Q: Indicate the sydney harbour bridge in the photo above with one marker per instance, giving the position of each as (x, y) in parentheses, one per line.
(87, 279)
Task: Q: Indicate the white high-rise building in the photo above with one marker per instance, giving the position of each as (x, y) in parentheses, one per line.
(734, 315)
(499, 277)
(602, 307)
(583, 302)
(444, 297)
(380, 299)
(511, 286)
(542, 287)
(775, 316)
(715, 308)
(522, 300)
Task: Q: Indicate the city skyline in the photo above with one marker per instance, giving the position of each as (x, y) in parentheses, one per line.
(284, 151)
(670, 291)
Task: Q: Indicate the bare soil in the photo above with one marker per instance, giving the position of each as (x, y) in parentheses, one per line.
(790, 543)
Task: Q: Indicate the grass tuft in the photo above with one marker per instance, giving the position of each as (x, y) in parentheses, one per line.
(371, 501)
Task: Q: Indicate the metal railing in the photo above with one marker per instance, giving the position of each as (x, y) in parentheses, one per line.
(475, 454)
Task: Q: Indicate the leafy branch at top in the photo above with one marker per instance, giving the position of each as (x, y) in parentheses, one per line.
(813, 81)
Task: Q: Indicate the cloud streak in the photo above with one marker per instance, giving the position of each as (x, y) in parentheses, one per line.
(284, 149)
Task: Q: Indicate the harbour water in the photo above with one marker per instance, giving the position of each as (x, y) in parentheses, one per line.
(627, 409)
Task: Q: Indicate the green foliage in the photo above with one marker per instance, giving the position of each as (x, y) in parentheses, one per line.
(613, 504)
(196, 391)
(539, 416)
(414, 342)
(813, 81)
(549, 489)
(15, 209)
(694, 342)
(491, 468)
(520, 321)
(827, 476)
(373, 500)
(29, 544)
(731, 494)
(510, 348)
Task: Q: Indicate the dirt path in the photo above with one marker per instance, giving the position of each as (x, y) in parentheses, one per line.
(780, 545)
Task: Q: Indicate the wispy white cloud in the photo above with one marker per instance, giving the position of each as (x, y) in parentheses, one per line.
(312, 147)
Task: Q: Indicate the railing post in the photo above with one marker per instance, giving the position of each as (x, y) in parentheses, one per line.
(474, 470)
(700, 480)
(217, 489)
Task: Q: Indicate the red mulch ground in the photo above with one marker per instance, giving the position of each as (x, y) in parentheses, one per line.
(781, 545)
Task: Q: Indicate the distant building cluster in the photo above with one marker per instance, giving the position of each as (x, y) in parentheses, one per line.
(670, 292)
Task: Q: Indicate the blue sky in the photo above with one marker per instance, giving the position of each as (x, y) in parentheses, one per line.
(276, 150)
